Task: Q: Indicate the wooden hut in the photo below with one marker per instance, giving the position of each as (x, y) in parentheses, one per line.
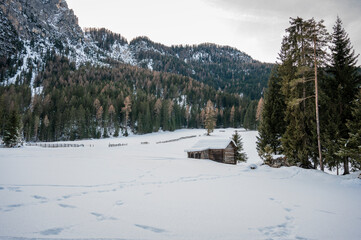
(220, 150)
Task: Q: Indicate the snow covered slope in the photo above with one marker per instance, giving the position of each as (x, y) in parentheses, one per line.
(152, 191)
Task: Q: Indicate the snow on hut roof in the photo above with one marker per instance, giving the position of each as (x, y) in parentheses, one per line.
(204, 144)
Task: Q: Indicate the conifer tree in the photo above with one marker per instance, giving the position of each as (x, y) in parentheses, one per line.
(165, 116)
(319, 36)
(259, 110)
(239, 155)
(341, 88)
(127, 109)
(157, 114)
(111, 112)
(231, 117)
(266, 154)
(250, 116)
(187, 114)
(144, 119)
(99, 114)
(2, 115)
(351, 147)
(302, 52)
(12, 130)
(36, 127)
(272, 125)
(105, 133)
(171, 115)
(46, 123)
(210, 117)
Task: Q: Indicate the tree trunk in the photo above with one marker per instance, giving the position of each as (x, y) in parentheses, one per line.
(346, 169)
(316, 103)
(337, 169)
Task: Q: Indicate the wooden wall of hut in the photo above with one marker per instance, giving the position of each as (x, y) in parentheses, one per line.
(229, 154)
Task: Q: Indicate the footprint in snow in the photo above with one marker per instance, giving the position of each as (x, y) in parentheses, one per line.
(51, 231)
(119, 203)
(277, 231)
(14, 205)
(102, 217)
(39, 197)
(301, 238)
(66, 206)
(11, 207)
(276, 201)
(280, 231)
(149, 228)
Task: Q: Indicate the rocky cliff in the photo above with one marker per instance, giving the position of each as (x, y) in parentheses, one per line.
(41, 19)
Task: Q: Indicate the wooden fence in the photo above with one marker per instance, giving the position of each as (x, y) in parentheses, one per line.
(54, 145)
(176, 139)
(117, 144)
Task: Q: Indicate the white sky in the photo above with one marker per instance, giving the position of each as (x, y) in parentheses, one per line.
(253, 26)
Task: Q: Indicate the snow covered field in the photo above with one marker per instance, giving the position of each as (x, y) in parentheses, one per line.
(153, 191)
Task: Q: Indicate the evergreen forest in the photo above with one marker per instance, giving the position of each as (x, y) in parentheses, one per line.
(311, 110)
(102, 101)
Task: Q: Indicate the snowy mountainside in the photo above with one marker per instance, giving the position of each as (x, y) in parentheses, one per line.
(153, 191)
(36, 28)
(30, 29)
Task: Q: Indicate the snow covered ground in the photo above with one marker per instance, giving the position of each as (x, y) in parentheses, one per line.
(153, 191)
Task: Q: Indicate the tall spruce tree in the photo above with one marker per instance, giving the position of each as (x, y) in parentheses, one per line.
(303, 50)
(272, 125)
(342, 88)
(293, 141)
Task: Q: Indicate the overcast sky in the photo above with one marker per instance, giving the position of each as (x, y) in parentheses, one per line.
(253, 26)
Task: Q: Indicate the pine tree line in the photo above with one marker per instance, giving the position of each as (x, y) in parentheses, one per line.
(311, 105)
(95, 102)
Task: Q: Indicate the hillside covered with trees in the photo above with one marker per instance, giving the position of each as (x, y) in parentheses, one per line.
(94, 102)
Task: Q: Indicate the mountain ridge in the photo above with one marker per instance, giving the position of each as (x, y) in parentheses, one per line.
(44, 25)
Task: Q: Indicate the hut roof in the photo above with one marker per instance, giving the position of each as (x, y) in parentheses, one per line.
(204, 144)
